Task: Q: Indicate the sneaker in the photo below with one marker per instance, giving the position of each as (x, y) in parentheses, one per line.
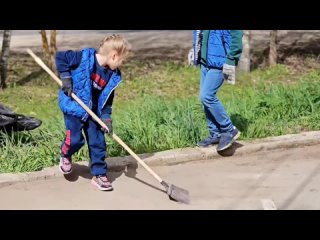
(65, 165)
(102, 183)
(208, 141)
(227, 139)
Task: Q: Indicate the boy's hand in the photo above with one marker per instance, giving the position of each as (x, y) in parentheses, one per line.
(67, 86)
(229, 73)
(107, 122)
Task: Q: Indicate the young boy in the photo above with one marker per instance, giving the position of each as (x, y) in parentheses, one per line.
(93, 77)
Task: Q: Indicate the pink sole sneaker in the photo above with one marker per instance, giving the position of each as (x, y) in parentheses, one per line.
(65, 166)
(102, 183)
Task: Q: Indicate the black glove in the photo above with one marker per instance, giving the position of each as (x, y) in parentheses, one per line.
(67, 86)
(107, 122)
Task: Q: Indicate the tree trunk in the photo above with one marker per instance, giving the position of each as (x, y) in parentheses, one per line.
(45, 45)
(49, 52)
(4, 57)
(53, 49)
(273, 48)
(244, 63)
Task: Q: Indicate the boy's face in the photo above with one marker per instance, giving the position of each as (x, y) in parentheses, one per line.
(114, 60)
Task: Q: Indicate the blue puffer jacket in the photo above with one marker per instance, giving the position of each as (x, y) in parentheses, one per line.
(82, 87)
(219, 43)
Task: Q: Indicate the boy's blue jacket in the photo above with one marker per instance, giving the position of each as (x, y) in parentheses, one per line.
(223, 46)
(82, 87)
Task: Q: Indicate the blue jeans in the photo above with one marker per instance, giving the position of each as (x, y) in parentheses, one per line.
(218, 120)
(74, 140)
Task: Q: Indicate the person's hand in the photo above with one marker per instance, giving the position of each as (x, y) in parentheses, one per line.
(67, 86)
(229, 73)
(191, 57)
(108, 123)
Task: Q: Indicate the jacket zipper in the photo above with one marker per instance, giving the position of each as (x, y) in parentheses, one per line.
(87, 114)
(207, 49)
(110, 93)
(223, 44)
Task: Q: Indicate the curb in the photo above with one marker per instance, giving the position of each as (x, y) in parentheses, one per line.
(179, 156)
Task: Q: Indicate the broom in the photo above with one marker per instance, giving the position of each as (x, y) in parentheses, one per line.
(175, 193)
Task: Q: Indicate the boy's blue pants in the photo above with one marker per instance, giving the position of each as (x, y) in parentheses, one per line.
(218, 120)
(74, 140)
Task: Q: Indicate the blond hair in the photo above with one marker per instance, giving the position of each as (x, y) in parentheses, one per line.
(115, 42)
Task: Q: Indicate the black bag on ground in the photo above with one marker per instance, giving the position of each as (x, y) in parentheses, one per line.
(11, 121)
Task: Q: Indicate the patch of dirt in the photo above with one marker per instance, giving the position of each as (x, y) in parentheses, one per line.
(301, 64)
(150, 50)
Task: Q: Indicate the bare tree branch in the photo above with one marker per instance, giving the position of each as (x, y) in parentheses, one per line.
(273, 48)
(244, 63)
(4, 57)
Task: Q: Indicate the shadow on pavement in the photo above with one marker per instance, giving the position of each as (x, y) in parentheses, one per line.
(230, 151)
(129, 170)
(78, 171)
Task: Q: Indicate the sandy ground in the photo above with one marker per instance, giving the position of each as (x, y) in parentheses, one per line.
(145, 44)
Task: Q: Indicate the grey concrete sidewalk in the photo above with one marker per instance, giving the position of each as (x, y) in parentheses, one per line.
(184, 155)
(287, 178)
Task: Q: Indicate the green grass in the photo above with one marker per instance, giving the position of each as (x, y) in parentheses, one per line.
(159, 109)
